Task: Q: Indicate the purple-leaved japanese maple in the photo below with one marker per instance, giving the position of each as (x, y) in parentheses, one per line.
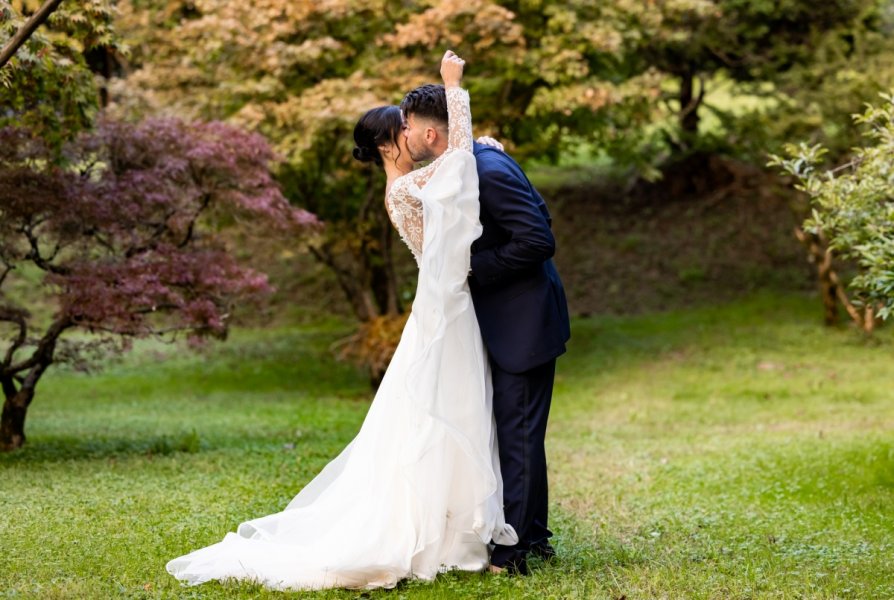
(122, 224)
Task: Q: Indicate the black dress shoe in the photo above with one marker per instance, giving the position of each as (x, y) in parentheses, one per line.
(517, 567)
(544, 551)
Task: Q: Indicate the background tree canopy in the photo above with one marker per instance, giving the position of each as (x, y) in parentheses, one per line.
(622, 80)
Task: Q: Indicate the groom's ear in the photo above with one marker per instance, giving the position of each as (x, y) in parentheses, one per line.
(435, 131)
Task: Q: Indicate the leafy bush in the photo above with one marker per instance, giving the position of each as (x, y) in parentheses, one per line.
(852, 207)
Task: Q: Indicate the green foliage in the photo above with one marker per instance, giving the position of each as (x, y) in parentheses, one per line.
(853, 205)
(291, 70)
(731, 452)
(763, 49)
(848, 69)
(545, 76)
(47, 86)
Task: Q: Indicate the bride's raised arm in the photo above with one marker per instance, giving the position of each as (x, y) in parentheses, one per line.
(459, 113)
(403, 204)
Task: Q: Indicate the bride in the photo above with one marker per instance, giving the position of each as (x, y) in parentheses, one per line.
(418, 491)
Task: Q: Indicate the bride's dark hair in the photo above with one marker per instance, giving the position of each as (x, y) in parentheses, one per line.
(376, 127)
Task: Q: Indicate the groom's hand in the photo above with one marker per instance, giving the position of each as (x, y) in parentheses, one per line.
(486, 140)
(452, 69)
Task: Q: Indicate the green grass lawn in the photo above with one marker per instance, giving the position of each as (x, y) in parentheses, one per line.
(741, 451)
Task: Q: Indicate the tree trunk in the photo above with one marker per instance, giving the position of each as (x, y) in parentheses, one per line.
(354, 285)
(831, 289)
(366, 273)
(689, 105)
(12, 421)
(828, 288)
(384, 279)
(826, 279)
(103, 61)
(364, 269)
(15, 406)
(375, 251)
(869, 320)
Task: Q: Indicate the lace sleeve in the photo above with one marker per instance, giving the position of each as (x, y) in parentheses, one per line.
(405, 212)
(459, 119)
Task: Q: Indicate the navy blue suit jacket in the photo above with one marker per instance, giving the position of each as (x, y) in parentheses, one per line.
(518, 296)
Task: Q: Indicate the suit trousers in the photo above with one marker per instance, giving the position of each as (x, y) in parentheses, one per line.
(521, 408)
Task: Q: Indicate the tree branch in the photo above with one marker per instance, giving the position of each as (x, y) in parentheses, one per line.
(154, 331)
(189, 231)
(695, 102)
(17, 316)
(43, 355)
(156, 234)
(348, 282)
(22, 35)
(371, 192)
(93, 233)
(823, 256)
(725, 58)
(35, 256)
(5, 273)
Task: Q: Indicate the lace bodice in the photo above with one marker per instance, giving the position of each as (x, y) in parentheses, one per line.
(404, 208)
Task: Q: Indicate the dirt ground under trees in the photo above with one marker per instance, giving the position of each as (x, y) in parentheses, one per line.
(711, 230)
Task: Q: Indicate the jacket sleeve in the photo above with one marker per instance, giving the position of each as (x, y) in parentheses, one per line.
(508, 199)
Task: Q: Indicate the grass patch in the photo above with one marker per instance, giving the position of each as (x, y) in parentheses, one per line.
(737, 451)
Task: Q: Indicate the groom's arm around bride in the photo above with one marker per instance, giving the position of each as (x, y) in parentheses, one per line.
(517, 291)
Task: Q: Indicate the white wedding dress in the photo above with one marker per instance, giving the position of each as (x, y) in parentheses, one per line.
(418, 491)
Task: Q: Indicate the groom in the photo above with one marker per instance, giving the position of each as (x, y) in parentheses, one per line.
(520, 304)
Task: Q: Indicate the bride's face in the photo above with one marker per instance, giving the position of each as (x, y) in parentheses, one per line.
(398, 153)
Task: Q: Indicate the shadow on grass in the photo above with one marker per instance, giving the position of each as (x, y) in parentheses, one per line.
(70, 448)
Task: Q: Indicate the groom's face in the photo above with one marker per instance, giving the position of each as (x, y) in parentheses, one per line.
(418, 132)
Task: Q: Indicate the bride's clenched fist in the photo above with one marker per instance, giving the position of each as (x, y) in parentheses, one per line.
(452, 69)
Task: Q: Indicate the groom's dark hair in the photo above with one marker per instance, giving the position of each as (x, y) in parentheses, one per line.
(428, 101)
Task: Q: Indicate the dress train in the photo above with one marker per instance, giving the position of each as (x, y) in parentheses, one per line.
(418, 491)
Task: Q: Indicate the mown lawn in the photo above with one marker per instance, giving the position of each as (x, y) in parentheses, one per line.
(740, 451)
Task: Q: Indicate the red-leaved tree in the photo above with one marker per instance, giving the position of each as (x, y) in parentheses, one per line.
(122, 225)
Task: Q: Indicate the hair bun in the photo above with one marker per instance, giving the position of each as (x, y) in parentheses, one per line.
(363, 154)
